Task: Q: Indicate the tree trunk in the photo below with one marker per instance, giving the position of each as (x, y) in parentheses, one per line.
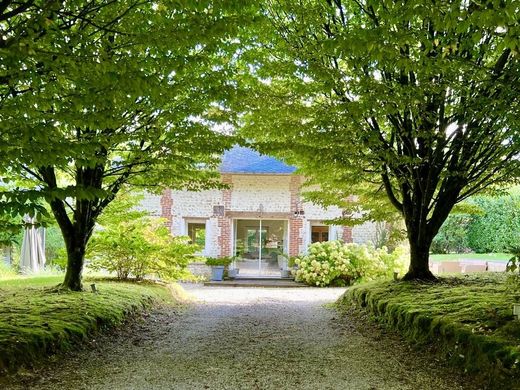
(419, 258)
(75, 259)
(77, 230)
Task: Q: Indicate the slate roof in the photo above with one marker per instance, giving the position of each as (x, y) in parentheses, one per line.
(245, 160)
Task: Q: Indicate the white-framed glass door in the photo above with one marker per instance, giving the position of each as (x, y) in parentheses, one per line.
(258, 246)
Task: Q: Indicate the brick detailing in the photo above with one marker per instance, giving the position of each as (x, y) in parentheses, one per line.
(224, 223)
(295, 223)
(295, 237)
(347, 234)
(166, 208)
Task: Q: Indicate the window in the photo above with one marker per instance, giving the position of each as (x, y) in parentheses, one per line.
(319, 234)
(197, 233)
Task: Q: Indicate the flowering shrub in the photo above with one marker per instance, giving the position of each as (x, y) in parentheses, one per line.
(335, 263)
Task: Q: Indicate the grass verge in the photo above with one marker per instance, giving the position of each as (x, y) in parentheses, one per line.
(35, 322)
(468, 320)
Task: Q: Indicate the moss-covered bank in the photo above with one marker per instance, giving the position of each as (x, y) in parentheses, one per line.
(36, 321)
(468, 320)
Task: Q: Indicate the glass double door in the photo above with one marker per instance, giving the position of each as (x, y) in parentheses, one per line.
(259, 246)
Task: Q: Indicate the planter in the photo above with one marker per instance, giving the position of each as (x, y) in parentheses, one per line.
(282, 261)
(285, 273)
(233, 273)
(217, 273)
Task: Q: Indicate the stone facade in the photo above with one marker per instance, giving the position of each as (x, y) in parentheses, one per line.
(200, 270)
(251, 197)
(364, 233)
(152, 204)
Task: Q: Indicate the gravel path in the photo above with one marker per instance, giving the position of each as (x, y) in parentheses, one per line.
(243, 338)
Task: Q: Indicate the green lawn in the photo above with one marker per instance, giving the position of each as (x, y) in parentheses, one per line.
(36, 321)
(469, 320)
(498, 257)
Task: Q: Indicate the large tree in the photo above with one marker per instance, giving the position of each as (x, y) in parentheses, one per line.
(128, 94)
(419, 97)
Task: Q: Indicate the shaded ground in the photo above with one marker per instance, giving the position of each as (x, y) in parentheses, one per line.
(244, 338)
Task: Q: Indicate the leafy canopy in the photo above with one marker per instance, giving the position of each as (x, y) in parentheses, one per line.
(127, 91)
(98, 95)
(416, 99)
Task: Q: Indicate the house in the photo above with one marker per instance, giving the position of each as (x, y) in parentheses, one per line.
(258, 218)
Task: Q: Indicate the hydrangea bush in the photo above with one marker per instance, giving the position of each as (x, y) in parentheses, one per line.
(339, 264)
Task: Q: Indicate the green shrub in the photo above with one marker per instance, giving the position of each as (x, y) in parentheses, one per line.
(139, 248)
(129, 242)
(489, 224)
(335, 263)
(60, 259)
(54, 246)
(291, 262)
(219, 261)
(498, 226)
(513, 273)
(6, 271)
(389, 235)
(452, 236)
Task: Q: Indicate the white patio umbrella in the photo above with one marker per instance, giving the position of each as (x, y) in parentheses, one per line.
(32, 258)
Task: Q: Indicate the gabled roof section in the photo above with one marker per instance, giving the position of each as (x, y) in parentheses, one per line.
(245, 160)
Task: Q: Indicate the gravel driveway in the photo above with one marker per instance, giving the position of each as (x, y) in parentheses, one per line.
(244, 338)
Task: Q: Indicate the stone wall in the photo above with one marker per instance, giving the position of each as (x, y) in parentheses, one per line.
(271, 192)
(200, 269)
(151, 203)
(361, 234)
(188, 206)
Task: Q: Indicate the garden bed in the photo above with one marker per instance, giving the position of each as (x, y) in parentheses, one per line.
(468, 320)
(36, 322)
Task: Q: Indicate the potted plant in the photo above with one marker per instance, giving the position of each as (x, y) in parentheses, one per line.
(291, 263)
(285, 272)
(217, 267)
(233, 272)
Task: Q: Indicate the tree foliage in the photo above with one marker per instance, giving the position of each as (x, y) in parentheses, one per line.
(98, 95)
(10, 229)
(416, 99)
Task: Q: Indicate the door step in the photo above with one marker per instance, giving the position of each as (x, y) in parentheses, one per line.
(256, 282)
(239, 277)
